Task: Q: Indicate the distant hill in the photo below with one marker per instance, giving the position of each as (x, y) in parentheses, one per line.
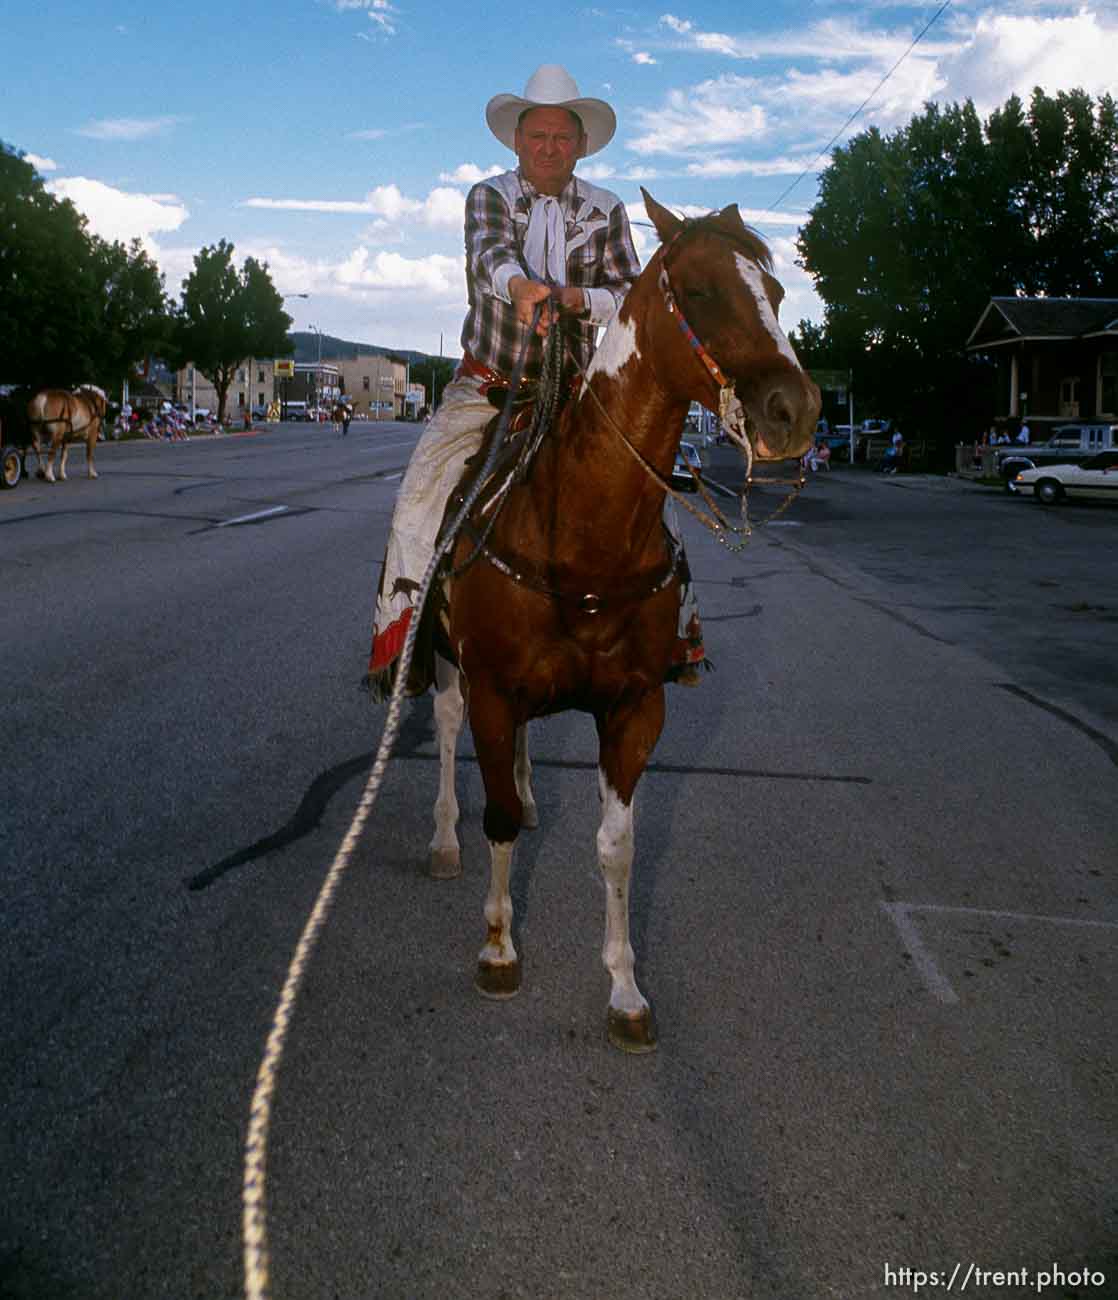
(307, 349)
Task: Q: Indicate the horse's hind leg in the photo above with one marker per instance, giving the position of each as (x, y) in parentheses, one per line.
(626, 742)
(90, 443)
(446, 861)
(64, 450)
(529, 817)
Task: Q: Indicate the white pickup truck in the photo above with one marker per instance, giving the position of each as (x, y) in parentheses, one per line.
(1069, 445)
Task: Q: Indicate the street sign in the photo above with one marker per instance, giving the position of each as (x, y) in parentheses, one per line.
(285, 368)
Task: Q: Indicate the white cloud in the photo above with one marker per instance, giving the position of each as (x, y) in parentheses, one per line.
(40, 163)
(717, 168)
(443, 206)
(718, 112)
(117, 214)
(127, 128)
(435, 274)
(309, 205)
(380, 12)
(1009, 54)
(642, 56)
(470, 173)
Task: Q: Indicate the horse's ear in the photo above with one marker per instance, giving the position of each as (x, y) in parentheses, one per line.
(667, 224)
(730, 216)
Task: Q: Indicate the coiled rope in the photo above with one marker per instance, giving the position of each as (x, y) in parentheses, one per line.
(253, 1192)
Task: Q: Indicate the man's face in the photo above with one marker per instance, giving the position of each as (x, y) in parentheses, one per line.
(548, 144)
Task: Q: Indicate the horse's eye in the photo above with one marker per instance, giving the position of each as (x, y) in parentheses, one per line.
(699, 294)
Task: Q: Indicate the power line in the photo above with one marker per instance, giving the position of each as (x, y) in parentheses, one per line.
(827, 147)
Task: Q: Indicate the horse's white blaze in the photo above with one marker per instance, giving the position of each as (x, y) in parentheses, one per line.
(750, 272)
(498, 906)
(615, 857)
(617, 348)
(449, 715)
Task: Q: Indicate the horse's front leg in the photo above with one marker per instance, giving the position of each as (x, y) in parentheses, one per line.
(445, 861)
(90, 443)
(627, 737)
(494, 730)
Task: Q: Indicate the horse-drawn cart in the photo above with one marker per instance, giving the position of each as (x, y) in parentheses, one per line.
(15, 436)
(47, 422)
(11, 459)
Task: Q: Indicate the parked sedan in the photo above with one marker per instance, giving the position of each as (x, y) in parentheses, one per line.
(681, 475)
(1095, 478)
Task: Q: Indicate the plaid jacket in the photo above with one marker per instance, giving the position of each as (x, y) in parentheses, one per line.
(600, 259)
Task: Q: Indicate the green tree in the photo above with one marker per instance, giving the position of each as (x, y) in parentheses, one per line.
(47, 284)
(73, 308)
(913, 233)
(133, 320)
(227, 316)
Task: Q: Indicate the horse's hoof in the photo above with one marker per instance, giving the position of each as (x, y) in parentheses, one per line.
(635, 1034)
(498, 979)
(444, 864)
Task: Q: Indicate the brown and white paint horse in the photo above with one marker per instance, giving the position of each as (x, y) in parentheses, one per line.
(64, 417)
(587, 617)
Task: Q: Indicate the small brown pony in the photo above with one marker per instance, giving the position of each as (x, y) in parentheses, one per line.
(65, 417)
(573, 603)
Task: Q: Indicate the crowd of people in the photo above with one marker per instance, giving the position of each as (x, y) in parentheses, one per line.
(168, 425)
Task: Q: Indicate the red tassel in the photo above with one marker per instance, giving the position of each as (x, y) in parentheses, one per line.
(388, 644)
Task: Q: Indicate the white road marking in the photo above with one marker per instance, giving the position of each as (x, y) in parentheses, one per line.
(937, 983)
(248, 519)
(386, 446)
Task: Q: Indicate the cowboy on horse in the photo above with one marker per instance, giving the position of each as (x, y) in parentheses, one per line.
(536, 237)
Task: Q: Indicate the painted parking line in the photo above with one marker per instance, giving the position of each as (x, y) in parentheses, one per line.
(937, 984)
(250, 519)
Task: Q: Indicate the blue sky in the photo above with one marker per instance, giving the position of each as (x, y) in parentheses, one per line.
(336, 139)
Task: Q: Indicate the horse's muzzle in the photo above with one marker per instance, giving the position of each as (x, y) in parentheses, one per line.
(784, 411)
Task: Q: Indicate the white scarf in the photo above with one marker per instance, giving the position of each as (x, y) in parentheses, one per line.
(545, 245)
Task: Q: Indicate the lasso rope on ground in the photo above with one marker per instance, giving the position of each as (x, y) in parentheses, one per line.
(253, 1193)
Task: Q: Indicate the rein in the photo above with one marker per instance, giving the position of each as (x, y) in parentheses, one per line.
(731, 416)
(254, 1211)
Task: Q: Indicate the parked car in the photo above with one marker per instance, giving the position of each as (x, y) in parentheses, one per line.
(1095, 478)
(681, 475)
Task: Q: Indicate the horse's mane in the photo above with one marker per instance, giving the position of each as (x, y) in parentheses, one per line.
(728, 222)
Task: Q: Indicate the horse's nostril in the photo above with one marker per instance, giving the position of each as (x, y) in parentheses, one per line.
(779, 411)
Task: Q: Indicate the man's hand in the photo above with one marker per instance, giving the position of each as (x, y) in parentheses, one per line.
(526, 293)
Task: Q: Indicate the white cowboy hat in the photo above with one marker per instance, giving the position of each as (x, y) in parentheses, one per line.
(552, 86)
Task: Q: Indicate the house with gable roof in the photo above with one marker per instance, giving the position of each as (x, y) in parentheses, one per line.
(1057, 358)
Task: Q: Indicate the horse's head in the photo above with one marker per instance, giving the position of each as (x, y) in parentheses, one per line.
(719, 273)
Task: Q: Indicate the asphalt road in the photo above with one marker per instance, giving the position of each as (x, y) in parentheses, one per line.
(875, 910)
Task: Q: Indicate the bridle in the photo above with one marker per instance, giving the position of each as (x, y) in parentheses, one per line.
(732, 416)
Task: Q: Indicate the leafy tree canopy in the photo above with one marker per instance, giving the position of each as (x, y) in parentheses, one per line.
(914, 232)
(73, 308)
(227, 316)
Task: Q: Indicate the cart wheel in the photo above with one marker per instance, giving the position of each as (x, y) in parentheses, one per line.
(13, 466)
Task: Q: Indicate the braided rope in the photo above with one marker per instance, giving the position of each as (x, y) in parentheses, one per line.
(254, 1232)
